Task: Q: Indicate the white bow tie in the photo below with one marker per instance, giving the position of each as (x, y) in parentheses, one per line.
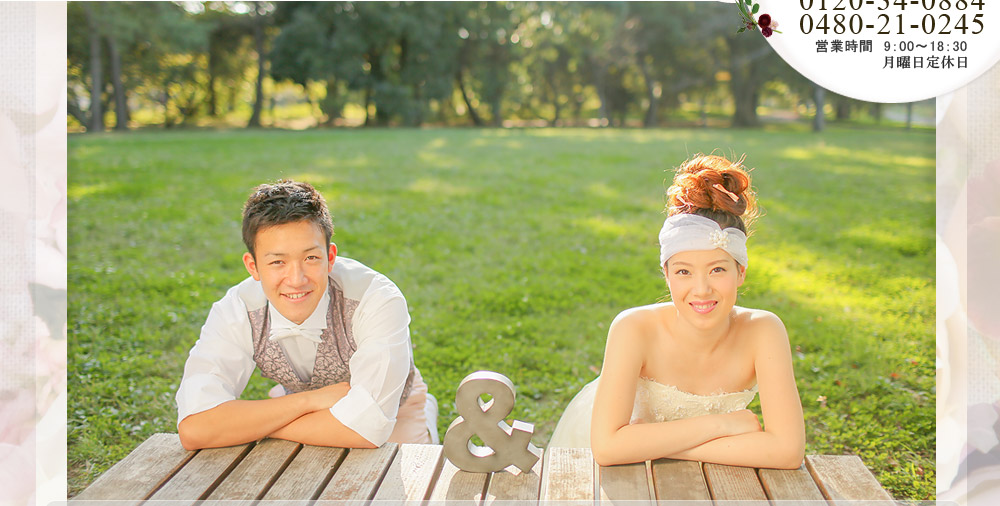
(311, 334)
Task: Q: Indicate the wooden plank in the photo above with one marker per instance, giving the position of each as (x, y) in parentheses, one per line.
(411, 474)
(791, 486)
(843, 478)
(202, 473)
(679, 480)
(568, 475)
(310, 470)
(144, 469)
(625, 482)
(359, 475)
(509, 489)
(455, 487)
(257, 471)
(733, 483)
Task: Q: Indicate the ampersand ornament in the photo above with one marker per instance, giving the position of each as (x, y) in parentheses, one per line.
(506, 445)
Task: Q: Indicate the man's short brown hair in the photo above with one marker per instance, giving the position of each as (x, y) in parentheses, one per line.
(282, 202)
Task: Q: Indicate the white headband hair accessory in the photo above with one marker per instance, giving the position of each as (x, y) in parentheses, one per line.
(692, 232)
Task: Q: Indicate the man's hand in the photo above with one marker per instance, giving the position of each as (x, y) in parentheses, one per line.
(326, 397)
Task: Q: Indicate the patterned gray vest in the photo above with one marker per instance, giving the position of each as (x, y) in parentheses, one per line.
(333, 355)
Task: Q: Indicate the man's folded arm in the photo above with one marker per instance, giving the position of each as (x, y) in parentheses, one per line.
(239, 421)
(216, 372)
(321, 428)
(380, 366)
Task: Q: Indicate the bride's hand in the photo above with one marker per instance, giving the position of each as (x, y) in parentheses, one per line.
(743, 421)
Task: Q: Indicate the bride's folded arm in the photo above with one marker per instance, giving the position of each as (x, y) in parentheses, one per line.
(647, 441)
(613, 439)
(782, 442)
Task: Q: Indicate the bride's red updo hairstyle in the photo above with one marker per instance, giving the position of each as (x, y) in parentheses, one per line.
(716, 188)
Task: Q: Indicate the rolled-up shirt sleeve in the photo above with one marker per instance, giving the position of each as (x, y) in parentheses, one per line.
(380, 365)
(221, 361)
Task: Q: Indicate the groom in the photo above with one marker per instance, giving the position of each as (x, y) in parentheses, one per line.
(332, 332)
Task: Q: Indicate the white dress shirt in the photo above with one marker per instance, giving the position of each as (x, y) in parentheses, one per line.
(221, 361)
(300, 350)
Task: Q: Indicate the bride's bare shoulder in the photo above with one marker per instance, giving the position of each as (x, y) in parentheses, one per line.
(761, 324)
(641, 315)
(636, 322)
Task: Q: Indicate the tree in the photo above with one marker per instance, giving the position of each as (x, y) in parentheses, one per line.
(402, 61)
(752, 64)
(490, 35)
(550, 63)
(230, 44)
(675, 46)
(123, 24)
(96, 118)
(819, 121)
(388, 53)
(601, 24)
(149, 50)
(425, 59)
(747, 52)
(259, 14)
(301, 50)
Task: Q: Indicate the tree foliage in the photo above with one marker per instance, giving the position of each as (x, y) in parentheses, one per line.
(410, 63)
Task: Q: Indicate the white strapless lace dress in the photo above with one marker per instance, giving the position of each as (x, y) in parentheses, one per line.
(654, 402)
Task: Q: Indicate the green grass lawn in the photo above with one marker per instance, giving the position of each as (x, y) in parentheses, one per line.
(515, 250)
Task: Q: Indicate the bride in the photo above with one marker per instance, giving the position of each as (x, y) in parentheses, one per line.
(678, 375)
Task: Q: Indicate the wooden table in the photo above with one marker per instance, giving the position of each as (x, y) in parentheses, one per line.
(273, 469)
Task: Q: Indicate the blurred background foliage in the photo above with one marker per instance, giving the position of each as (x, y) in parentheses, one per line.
(305, 64)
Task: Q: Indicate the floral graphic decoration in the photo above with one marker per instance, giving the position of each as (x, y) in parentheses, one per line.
(747, 10)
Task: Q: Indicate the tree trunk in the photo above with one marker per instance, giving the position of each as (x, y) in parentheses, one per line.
(121, 101)
(96, 73)
(377, 77)
(187, 105)
(495, 103)
(745, 98)
(74, 110)
(368, 102)
(212, 99)
(744, 83)
(329, 106)
(556, 108)
(417, 107)
(578, 100)
(476, 120)
(909, 115)
(819, 121)
(258, 39)
(413, 111)
(877, 112)
(843, 109)
(552, 94)
(230, 97)
(165, 100)
(650, 120)
(600, 76)
(704, 112)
